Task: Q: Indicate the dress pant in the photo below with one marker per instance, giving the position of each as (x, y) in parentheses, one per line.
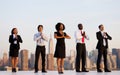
(40, 50)
(81, 55)
(102, 51)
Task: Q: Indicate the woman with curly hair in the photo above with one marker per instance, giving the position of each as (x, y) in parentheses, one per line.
(60, 54)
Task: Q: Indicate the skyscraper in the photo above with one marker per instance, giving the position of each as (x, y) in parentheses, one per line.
(32, 60)
(5, 59)
(117, 53)
(50, 58)
(51, 45)
(24, 59)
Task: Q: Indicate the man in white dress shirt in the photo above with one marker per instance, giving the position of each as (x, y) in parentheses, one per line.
(80, 37)
(40, 39)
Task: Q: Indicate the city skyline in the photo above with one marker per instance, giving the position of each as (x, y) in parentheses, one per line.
(27, 64)
(27, 15)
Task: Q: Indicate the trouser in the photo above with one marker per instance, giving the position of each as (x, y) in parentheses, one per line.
(81, 55)
(102, 51)
(40, 50)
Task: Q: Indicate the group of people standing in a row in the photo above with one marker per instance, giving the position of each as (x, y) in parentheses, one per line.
(60, 52)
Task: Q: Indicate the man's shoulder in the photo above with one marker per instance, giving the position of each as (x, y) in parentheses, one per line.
(98, 32)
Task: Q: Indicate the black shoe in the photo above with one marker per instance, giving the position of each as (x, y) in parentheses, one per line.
(107, 70)
(99, 70)
(13, 69)
(85, 71)
(60, 72)
(43, 71)
(78, 71)
(36, 71)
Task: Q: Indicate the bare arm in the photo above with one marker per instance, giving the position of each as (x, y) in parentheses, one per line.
(67, 37)
(57, 37)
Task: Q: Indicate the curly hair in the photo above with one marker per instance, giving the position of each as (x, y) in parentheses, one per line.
(58, 26)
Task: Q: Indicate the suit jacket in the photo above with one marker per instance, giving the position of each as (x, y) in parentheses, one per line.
(100, 40)
(11, 41)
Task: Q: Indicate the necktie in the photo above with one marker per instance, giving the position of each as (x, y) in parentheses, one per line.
(82, 38)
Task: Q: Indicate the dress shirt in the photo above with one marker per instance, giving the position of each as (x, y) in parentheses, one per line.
(14, 37)
(78, 36)
(104, 36)
(40, 39)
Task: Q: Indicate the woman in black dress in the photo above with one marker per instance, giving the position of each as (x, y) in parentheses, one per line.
(14, 41)
(60, 46)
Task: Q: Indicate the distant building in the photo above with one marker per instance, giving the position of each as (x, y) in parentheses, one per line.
(93, 59)
(117, 53)
(69, 63)
(50, 56)
(112, 64)
(5, 59)
(32, 61)
(24, 59)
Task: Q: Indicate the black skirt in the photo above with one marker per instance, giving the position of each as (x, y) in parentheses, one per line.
(14, 51)
(60, 51)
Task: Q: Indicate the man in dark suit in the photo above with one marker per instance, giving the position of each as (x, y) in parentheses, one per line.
(102, 46)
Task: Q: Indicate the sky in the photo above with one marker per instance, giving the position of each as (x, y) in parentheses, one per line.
(26, 15)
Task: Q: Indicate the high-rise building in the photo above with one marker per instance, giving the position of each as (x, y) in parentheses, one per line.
(32, 60)
(117, 53)
(24, 59)
(72, 59)
(5, 59)
(51, 45)
(111, 61)
(50, 57)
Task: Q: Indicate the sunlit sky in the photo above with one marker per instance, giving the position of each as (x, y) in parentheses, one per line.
(26, 15)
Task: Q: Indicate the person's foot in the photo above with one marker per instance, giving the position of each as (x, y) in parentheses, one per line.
(60, 72)
(78, 71)
(43, 71)
(85, 71)
(13, 70)
(106, 70)
(99, 70)
(36, 71)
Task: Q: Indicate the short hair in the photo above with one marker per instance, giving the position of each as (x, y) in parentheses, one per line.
(100, 26)
(12, 31)
(79, 25)
(39, 27)
(58, 26)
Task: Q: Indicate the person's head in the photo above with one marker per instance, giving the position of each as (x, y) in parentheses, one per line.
(14, 31)
(101, 27)
(40, 28)
(80, 26)
(60, 26)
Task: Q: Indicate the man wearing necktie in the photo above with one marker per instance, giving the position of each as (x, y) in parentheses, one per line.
(80, 48)
(102, 46)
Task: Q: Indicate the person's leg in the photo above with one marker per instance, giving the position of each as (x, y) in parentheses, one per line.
(12, 62)
(99, 59)
(62, 64)
(37, 53)
(105, 60)
(78, 57)
(83, 57)
(58, 64)
(43, 54)
(15, 62)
